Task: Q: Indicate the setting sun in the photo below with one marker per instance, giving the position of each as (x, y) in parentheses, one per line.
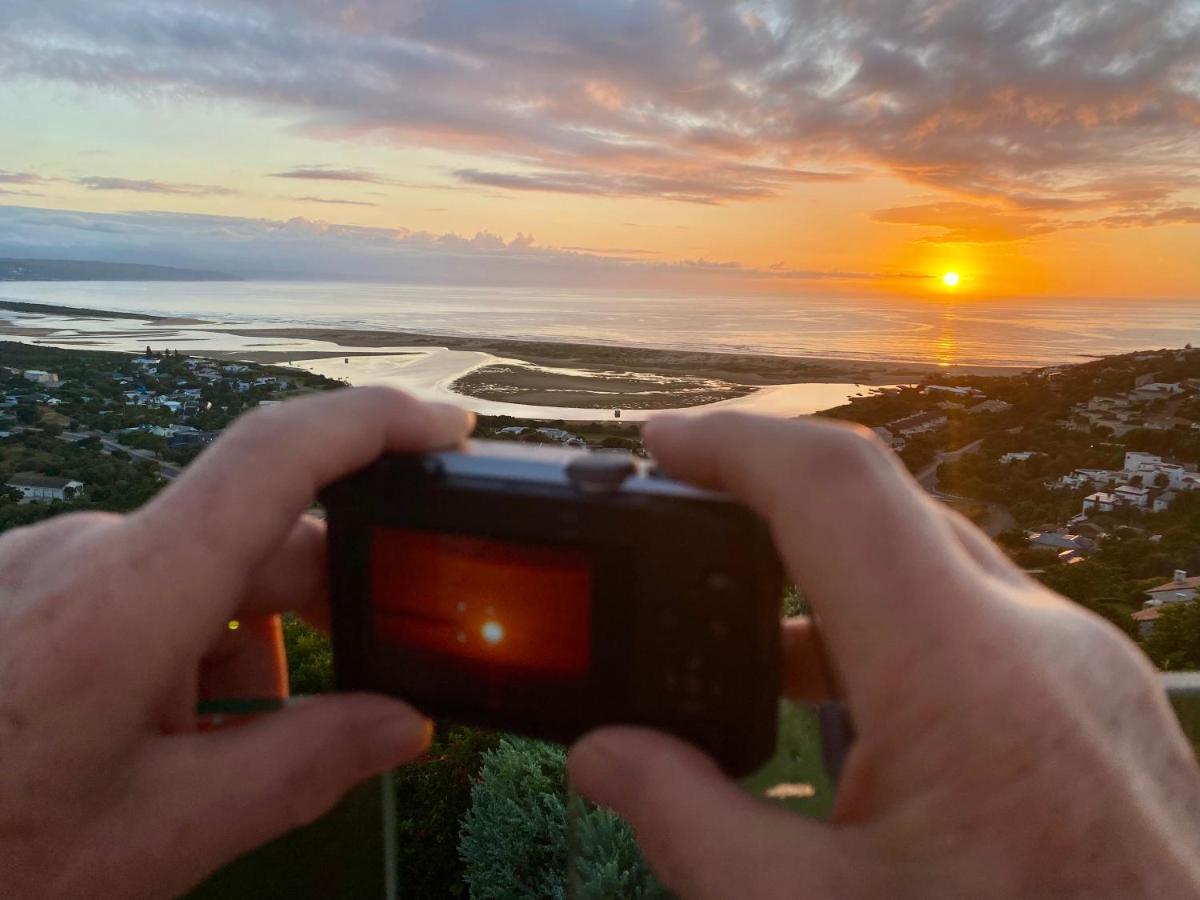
(950, 279)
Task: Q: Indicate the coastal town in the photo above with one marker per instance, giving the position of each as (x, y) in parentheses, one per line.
(1086, 475)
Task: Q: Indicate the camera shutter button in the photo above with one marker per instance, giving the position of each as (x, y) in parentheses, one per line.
(599, 474)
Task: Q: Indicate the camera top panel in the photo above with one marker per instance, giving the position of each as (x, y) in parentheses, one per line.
(583, 470)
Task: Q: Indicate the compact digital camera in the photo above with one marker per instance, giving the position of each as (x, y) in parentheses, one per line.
(547, 591)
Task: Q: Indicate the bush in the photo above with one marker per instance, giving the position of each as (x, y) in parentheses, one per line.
(433, 795)
(515, 836)
(309, 657)
(1175, 642)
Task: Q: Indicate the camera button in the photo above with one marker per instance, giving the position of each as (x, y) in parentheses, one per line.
(596, 473)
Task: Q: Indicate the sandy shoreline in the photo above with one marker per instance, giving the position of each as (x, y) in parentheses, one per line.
(743, 368)
(526, 373)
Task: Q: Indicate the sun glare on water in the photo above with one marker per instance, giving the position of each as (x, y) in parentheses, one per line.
(951, 279)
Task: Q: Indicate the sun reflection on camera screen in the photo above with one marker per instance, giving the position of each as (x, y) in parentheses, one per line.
(499, 603)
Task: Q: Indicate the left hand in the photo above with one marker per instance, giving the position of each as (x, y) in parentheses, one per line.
(112, 627)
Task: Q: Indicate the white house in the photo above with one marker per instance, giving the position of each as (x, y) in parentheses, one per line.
(1133, 496)
(1165, 501)
(990, 406)
(34, 487)
(1158, 389)
(37, 376)
(1179, 589)
(918, 424)
(1100, 502)
(955, 391)
(1087, 477)
(1134, 460)
(1023, 456)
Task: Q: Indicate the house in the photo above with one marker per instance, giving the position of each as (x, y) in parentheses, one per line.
(1146, 619)
(1100, 502)
(918, 424)
(34, 487)
(1157, 390)
(1180, 589)
(1022, 456)
(889, 438)
(1087, 478)
(1129, 495)
(990, 406)
(954, 391)
(557, 434)
(1165, 501)
(1066, 543)
(37, 376)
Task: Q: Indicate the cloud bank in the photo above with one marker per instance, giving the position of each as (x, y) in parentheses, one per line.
(1042, 110)
(305, 248)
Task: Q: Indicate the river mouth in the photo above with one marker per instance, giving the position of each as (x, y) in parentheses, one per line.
(560, 382)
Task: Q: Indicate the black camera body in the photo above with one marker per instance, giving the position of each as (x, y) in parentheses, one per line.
(548, 591)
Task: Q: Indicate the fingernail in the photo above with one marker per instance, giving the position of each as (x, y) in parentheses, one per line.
(406, 736)
(592, 766)
(450, 423)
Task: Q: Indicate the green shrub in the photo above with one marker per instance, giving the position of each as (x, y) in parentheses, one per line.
(514, 839)
(309, 657)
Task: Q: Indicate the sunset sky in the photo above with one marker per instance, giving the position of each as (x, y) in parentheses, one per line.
(1045, 148)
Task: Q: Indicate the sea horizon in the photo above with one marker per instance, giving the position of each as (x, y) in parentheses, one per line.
(952, 332)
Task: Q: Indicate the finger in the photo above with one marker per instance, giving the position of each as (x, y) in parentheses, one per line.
(293, 578)
(832, 494)
(703, 836)
(247, 663)
(229, 791)
(981, 548)
(241, 498)
(806, 673)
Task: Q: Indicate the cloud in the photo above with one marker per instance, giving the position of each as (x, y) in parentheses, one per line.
(7, 177)
(959, 222)
(334, 200)
(148, 186)
(307, 248)
(1027, 105)
(1180, 215)
(706, 186)
(326, 173)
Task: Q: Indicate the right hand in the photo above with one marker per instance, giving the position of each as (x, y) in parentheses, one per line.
(1010, 744)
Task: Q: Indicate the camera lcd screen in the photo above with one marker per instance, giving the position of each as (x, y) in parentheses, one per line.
(508, 607)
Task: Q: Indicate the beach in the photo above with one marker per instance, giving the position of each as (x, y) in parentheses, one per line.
(555, 379)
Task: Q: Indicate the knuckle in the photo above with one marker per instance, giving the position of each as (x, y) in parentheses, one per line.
(849, 452)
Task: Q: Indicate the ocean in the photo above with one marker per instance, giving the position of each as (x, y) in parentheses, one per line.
(952, 331)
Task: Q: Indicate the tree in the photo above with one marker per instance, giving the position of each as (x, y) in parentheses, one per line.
(1175, 642)
(515, 836)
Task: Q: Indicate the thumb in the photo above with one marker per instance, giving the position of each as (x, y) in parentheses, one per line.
(702, 834)
(239, 787)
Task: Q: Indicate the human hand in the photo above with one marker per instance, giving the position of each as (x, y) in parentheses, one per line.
(112, 627)
(1009, 743)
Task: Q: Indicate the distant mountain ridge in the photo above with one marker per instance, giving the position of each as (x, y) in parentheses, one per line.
(89, 270)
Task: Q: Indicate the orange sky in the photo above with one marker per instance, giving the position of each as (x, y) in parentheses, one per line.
(754, 147)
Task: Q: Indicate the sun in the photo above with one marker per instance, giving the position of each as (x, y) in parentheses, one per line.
(951, 279)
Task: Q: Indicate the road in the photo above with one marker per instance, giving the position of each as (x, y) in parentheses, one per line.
(998, 518)
(928, 477)
(165, 469)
